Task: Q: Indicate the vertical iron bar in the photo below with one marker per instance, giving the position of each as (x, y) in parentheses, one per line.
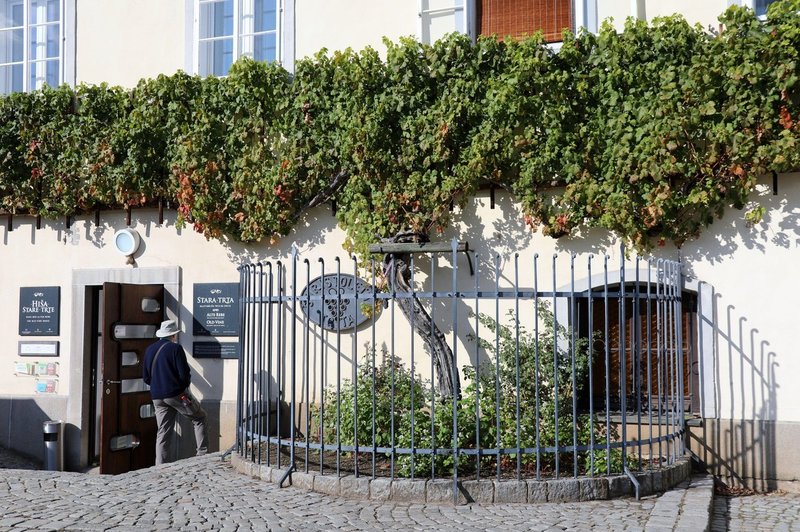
(659, 352)
(391, 371)
(478, 384)
(455, 376)
(260, 365)
(681, 355)
(637, 362)
(373, 369)
(323, 366)
(293, 374)
(251, 411)
(498, 441)
(537, 375)
(279, 348)
(243, 354)
(623, 377)
(270, 334)
(413, 367)
(555, 365)
(337, 319)
(650, 359)
(433, 374)
(354, 357)
(573, 341)
(590, 326)
(307, 361)
(608, 364)
(516, 367)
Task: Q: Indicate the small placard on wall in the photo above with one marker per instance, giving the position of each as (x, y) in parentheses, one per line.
(23, 369)
(227, 350)
(46, 386)
(39, 309)
(37, 349)
(216, 309)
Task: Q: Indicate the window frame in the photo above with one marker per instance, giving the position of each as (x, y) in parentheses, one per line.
(284, 24)
(584, 16)
(66, 44)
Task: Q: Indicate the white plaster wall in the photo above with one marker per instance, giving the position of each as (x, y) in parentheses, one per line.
(339, 24)
(751, 360)
(704, 12)
(616, 10)
(120, 42)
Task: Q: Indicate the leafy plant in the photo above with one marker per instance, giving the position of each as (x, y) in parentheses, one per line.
(388, 406)
(651, 132)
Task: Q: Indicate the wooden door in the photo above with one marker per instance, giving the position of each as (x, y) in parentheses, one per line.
(131, 316)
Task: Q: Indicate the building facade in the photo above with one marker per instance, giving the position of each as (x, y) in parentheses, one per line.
(54, 365)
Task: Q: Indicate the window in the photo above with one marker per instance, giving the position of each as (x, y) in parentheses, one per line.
(31, 34)
(649, 349)
(760, 7)
(229, 29)
(440, 17)
(518, 18)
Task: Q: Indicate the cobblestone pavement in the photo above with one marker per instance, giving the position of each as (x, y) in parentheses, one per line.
(774, 511)
(206, 494)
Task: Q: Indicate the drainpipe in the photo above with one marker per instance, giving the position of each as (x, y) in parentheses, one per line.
(638, 10)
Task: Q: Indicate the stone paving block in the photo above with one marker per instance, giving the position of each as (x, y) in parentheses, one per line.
(303, 480)
(265, 472)
(380, 489)
(667, 478)
(563, 490)
(619, 486)
(480, 491)
(441, 491)
(407, 490)
(328, 484)
(354, 487)
(537, 491)
(657, 480)
(510, 491)
(645, 483)
(593, 489)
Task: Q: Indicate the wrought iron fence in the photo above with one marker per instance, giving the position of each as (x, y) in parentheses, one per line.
(410, 366)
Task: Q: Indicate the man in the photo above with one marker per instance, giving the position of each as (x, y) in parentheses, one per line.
(167, 372)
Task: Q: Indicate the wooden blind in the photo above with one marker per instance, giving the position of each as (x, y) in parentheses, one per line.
(520, 18)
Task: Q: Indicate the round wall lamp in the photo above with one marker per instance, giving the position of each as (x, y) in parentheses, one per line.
(126, 241)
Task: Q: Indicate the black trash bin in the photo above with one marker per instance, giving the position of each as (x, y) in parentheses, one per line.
(53, 432)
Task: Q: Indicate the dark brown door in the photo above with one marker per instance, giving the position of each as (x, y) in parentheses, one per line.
(643, 338)
(131, 316)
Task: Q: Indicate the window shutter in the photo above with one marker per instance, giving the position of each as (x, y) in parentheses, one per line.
(520, 18)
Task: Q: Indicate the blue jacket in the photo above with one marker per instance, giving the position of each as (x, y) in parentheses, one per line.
(170, 375)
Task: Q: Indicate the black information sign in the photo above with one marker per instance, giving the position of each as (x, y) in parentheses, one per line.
(39, 310)
(216, 309)
(330, 301)
(215, 350)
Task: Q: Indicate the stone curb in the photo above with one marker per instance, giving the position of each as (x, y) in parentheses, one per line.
(482, 491)
(688, 508)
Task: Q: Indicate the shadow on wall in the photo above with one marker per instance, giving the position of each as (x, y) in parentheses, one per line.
(21, 422)
(737, 441)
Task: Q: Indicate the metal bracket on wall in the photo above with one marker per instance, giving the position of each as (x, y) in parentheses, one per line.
(423, 247)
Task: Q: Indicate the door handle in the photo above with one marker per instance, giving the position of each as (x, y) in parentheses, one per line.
(109, 382)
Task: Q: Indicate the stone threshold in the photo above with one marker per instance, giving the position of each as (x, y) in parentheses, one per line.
(474, 491)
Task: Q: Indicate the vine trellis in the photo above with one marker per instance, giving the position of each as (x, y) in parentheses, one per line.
(650, 132)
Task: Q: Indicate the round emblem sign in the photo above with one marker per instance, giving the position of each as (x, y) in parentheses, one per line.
(332, 305)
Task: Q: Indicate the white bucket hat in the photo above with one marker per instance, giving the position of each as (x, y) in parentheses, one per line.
(168, 328)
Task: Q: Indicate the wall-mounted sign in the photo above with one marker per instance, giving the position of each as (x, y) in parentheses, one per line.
(39, 310)
(216, 309)
(27, 348)
(46, 386)
(332, 305)
(227, 350)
